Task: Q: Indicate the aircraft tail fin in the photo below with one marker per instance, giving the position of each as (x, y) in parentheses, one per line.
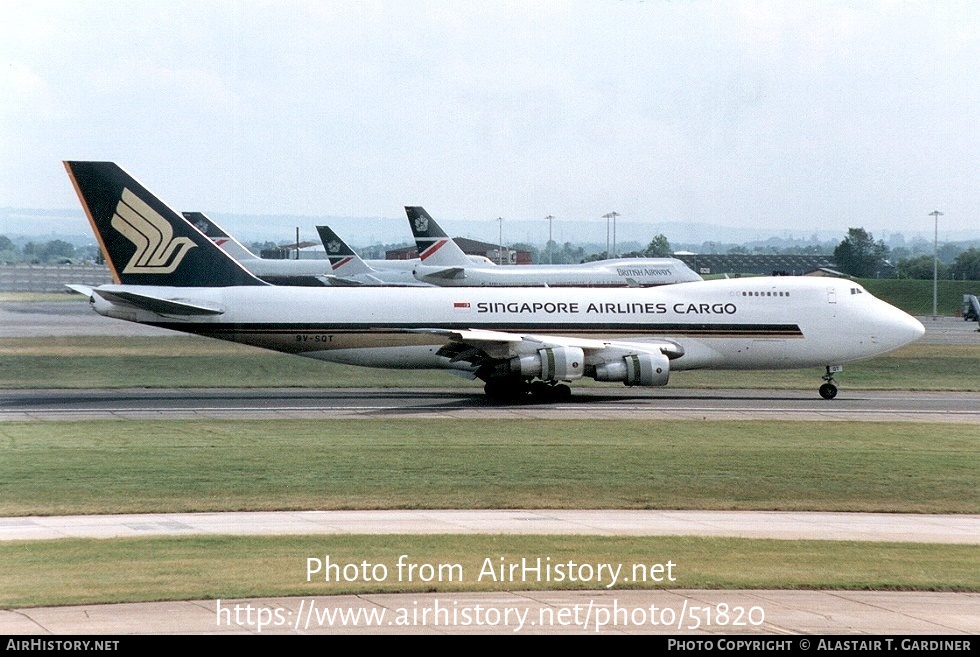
(343, 260)
(434, 246)
(144, 241)
(229, 244)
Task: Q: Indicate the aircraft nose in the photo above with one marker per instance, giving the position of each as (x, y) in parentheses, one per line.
(905, 328)
(915, 327)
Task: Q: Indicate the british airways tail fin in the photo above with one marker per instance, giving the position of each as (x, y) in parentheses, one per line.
(144, 241)
(343, 260)
(434, 246)
(228, 244)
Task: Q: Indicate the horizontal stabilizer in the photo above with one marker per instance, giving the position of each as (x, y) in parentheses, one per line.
(339, 281)
(449, 274)
(85, 290)
(160, 305)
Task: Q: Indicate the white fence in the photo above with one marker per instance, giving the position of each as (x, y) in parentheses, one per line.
(50, 278)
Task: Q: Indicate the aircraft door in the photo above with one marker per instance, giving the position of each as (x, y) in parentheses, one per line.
(832, 301)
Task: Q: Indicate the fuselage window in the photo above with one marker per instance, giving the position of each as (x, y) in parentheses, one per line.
(746, 293)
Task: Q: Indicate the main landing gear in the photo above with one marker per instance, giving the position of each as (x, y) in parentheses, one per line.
(519, 389)
(829, 389)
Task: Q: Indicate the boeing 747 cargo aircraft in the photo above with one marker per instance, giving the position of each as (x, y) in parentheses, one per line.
(522, 342)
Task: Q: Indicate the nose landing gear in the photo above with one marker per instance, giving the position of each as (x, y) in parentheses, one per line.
(829, 389)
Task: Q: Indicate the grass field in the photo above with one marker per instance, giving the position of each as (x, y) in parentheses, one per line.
(915, 296)
(57, 468)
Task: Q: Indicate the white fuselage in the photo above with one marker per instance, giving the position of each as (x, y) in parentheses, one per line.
(623, 272)
(748, 323)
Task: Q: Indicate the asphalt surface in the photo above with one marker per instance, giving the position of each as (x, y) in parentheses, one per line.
(585, 403)
(792, 617)
(783, 525)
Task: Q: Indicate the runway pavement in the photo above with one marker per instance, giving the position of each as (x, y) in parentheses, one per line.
(798, 620)
(917, 528)
(586, 403)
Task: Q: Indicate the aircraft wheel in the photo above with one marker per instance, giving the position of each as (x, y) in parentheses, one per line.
(828, 391)
(548, 392)
(540, 391)
(505, 389)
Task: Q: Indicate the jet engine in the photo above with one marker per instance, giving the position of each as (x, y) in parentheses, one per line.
(551, 364)
(644, 369)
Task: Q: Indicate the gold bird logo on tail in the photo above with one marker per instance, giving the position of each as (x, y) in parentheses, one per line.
(157, 250)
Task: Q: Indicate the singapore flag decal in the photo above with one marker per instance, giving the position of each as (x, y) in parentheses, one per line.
(461, 305)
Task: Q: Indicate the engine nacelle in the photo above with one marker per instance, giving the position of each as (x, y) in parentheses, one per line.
(551, 364)
(636, 370)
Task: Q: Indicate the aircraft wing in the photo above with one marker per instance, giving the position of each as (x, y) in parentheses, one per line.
(475, 336)
(158, 305)
(479, 346)
(85, 290)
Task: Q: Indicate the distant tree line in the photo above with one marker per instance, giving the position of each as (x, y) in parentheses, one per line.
(966, 266)
(860, 255)
(52, 252)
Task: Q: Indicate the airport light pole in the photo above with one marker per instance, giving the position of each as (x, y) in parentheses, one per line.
(611, 215)
(606, 217)
(500, 240)
(549, 218)
(935, 259)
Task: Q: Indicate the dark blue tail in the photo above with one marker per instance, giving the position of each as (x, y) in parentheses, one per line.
(144, 241)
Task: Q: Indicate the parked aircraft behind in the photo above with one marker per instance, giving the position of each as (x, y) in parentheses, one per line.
(443, 263)
(305, 273)
(349, 269)
(309, 272)
(521, 341)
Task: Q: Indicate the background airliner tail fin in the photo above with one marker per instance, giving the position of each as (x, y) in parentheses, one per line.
(434, 246)
(229, 244)
(343, 260)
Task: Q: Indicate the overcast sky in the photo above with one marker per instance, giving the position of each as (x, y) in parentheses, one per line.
(772, 114)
